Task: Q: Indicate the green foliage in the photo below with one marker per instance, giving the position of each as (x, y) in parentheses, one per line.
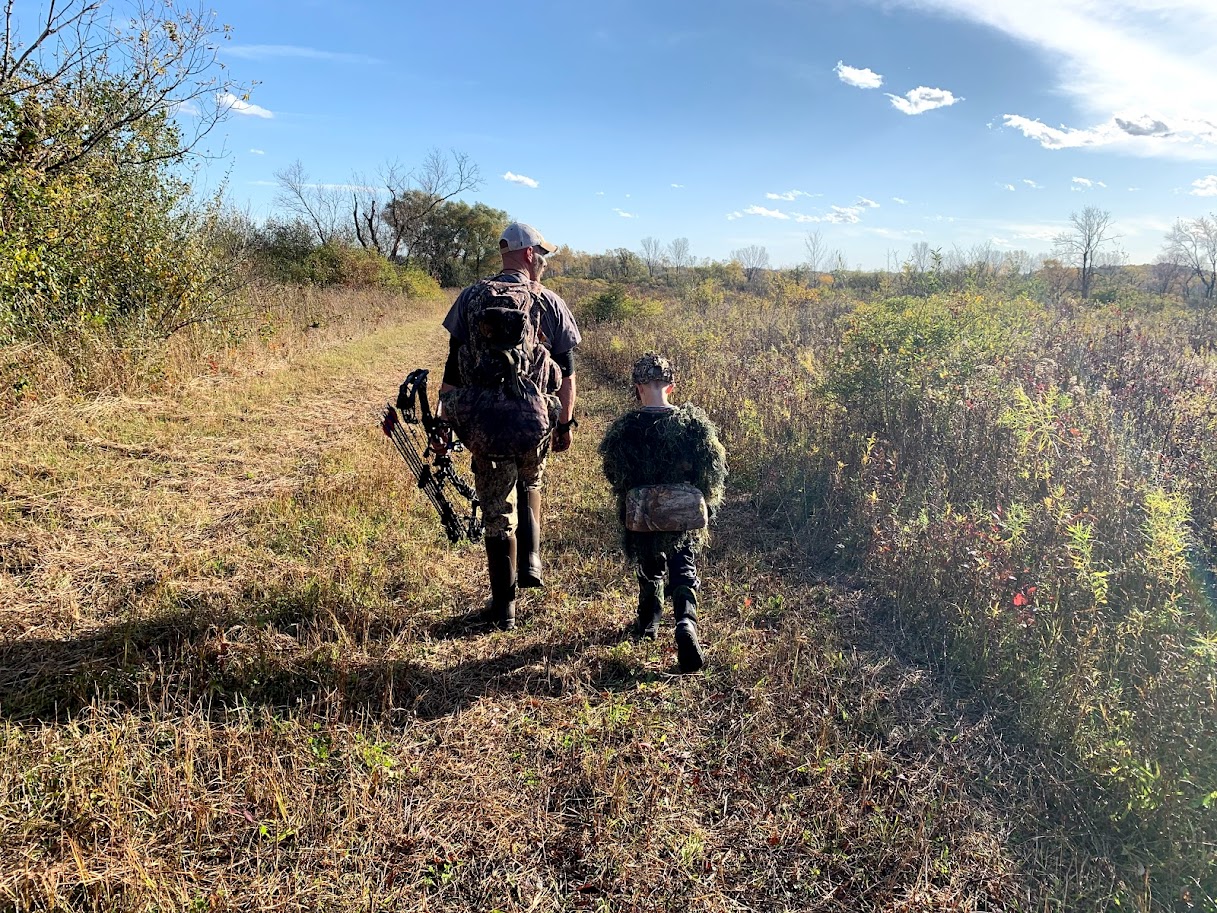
(615, 303)
(1036, 492)
(133, 261)
(101, 246)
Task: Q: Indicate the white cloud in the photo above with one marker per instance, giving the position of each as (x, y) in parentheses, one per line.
(599, 193)
(868, 204)
(1034, 232)
(859, 78)
(1205, 187)
(524, 180)
(624, 214)
(257, 152)
(788, 195)
(766, 213)
(267, 51)
(237, 105)
(844, 214)
(732, 216)
(678, 186)
(1009, 187)
(1139, 70)
(1034, 186)
(896, 234)
(900, 200)
(1086, 184)
(922, 99)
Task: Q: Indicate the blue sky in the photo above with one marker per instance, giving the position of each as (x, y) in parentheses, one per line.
(878, 123)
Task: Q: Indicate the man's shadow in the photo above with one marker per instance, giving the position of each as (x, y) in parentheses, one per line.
(183, 658)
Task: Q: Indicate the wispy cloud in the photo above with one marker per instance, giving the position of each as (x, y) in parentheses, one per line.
(624, 214)
(896, 234)
(1009, 187)
(237, 105)
(1205, 187)
(678, 186)
(1086, 184)
(766, 213)
(513, 178)
(1034, 186)
(859, 78)
(270, 51)
(835, 214)
(922, 99)
(1140, 77)
(257, 152)
(788, 195)
(900, 200)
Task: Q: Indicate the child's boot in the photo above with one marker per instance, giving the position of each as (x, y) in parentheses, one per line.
(688, 649)
(650, 607)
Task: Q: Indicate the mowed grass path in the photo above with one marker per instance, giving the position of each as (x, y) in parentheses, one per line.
(236, 673)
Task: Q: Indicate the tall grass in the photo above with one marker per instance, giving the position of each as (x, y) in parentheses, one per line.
(1034, 490)
(262, 326)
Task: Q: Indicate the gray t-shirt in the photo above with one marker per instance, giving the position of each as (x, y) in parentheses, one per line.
(557, 322)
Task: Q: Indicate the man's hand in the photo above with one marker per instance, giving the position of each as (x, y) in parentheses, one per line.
(440, 438)
(562, 436)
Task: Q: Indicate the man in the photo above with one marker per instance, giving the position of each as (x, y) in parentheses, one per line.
(516, 533)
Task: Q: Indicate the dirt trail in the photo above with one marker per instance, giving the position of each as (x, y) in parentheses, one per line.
(101, 502)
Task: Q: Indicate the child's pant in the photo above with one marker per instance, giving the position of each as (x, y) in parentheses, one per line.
(680, 565)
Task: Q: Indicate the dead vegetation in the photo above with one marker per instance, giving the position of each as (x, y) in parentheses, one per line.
(237, 673)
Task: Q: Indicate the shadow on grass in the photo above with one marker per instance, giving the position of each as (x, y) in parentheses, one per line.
(206, 656)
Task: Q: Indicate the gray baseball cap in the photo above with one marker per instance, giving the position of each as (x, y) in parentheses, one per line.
(518, 236)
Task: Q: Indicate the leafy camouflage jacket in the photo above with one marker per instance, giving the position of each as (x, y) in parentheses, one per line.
(656, 446)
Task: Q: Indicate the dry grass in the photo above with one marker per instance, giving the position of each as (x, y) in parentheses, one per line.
(236, 673)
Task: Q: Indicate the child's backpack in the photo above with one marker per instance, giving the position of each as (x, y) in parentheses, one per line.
(505, 407)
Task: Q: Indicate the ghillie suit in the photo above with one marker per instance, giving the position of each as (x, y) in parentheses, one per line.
(651, 447)
(655, 446)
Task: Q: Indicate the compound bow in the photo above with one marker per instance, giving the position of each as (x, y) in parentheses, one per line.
(434, 472)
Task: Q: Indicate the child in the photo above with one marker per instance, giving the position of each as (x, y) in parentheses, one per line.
(655, 444)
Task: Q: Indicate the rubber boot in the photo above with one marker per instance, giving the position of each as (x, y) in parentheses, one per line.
(650, 608)
(528, 531)
(688, 649)
(501, 565)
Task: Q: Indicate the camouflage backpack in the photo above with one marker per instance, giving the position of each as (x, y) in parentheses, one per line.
(505, 407)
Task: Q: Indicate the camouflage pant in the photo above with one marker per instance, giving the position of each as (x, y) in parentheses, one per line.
(496, 481)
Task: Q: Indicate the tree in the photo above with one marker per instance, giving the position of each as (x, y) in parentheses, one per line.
(816, 252)
(679, 255)
(624, 264)
(652, 255)
(1081, 246)
(392, 219)
(1166, 271)
(753, 259)
(458, 242)
(91, 85)
(1193, 244)
(320, 206)
(99, 233)
(919, 256)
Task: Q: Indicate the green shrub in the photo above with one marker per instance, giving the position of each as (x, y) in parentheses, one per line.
(615, 303)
